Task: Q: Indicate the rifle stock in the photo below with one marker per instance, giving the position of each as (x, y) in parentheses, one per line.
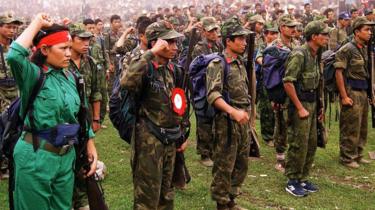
(254, 143)
(94, 191)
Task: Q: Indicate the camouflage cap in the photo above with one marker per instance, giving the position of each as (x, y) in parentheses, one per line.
(359, 21)
(287, 20)
(161, 30)
(209, 23)
(174, 20)
(316, 27)
(233, 27)
(256, 19)
(78, 29)
(6, 19)
(271, 28)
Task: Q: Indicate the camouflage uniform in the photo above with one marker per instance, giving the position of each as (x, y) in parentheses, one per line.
(110, 39)
(204, 130)
(101, 58)
(303, 70)
(89, 71)
(230, 155)
(259, 41)
(352, 57)
(152, 161)
(337, 37)
(8, 88)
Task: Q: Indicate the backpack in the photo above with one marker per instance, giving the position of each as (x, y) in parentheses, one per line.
(11, 123)
(329, 71)
(274, 62)
(123, 106)
(197, 75)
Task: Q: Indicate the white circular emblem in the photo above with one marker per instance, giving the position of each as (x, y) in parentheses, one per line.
(178, 101)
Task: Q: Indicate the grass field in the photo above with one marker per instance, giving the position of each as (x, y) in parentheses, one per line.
(340, 188)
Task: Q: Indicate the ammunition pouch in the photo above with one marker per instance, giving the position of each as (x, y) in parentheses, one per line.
(166, 136)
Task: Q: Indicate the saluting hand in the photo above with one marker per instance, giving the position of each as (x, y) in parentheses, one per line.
(159, 46)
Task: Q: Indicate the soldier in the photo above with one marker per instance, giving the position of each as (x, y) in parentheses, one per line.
(257, 24)
(307, 17)
(110, 38)
(154, 78)
(231, 142)
(8, 89)
(338, 35)
(301, 82)
(351, 78)
(287, 28)
(210, 43)
(267, 118)
(86, 66)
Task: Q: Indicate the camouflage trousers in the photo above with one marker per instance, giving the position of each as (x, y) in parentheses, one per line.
(353, 126)
(204, 138)
(152, 166)
(267, 118)
(104, 92)
(110, 82)
(7, 95)
(230, 159)
(302, 140)
(280, 130)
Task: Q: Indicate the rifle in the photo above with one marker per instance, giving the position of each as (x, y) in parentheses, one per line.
(94, 190)
(192, 42)
(371, 78)
(320, 107)
(254, 143)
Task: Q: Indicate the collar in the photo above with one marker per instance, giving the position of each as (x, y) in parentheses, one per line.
(231, 59)
(157, 66)
(360, 46)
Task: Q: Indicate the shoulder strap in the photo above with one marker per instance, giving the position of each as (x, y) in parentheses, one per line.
(3, 60)
(36, 89)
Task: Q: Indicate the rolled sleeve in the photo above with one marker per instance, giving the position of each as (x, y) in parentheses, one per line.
(214, 81)
(341, 61)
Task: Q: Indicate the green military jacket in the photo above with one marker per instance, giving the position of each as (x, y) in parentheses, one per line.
(136, 53)
(10, 93)
(259, 41)
(89, 71)
(337, 37)
(352, 57)
(302, 68)
(205, 47)
(236, 85)
(110, 38)
(155, 91)
(280, 44)
(99, 54)
(58, 101)
(128, 46)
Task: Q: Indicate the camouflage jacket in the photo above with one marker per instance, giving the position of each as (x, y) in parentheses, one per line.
(236, 85)
(204, 47)
(307, 18)
(280, 44)
(88, 70)
(128, 46)
(154, 84)
(110, 38)
(258, 40)
(337, 38)
(5, 71)
(98, 52)
(302, 68)
(353, 59)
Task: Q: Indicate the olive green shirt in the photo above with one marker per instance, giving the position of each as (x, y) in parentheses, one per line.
(303, 68)
(337, 37)
(349, 58)
(205, 47)
(156, 93)
(236, 85)
(57, 102)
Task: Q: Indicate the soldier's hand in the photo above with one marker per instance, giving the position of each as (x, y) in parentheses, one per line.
(130, 30)
(44, 20)
(240, 116)
(303, 113)
(92, 157)
(95, 126)
(347, 101)
(159, 46)
(183, 147)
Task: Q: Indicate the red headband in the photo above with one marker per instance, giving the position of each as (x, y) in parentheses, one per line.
(55, 38)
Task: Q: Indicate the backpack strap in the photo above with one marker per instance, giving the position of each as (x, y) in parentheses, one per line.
(30, 107)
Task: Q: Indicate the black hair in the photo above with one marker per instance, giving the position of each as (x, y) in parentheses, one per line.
(327, 11)
(224, 40)
(115, 17)
(38, 58)
(141, 27)
(98, 20)
(308, 37)
(141, 19)
(88, 21)
(353, 10)
(358, 28)
(276, 3)
(307, 4)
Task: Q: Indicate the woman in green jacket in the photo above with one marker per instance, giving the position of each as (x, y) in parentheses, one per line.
(44, 175)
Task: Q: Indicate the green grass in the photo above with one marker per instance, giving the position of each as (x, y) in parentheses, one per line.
(340, 188)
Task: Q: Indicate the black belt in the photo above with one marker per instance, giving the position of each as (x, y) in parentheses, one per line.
(7, 82)
(307, 96)
(357, 84)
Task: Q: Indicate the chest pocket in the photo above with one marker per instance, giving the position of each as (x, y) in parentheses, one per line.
(357, 63)
(310, 80)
